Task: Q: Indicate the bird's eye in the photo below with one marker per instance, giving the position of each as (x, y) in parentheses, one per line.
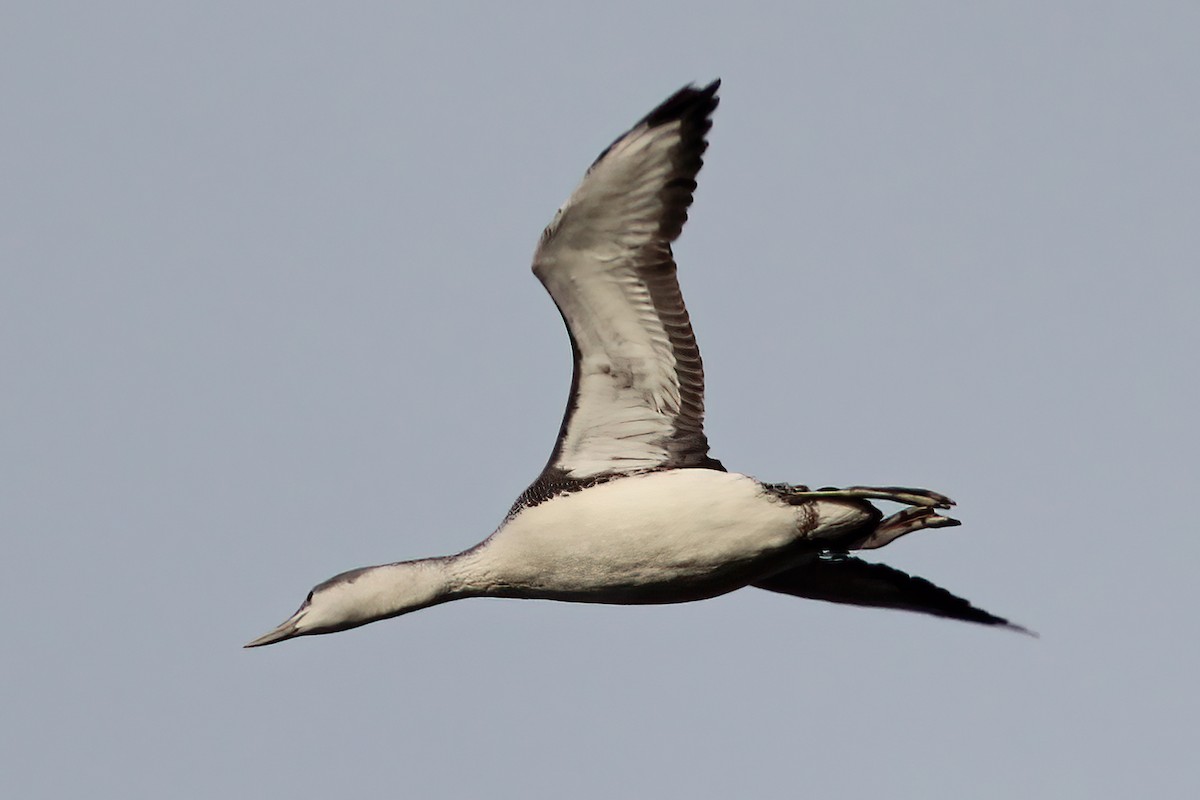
(308, 599)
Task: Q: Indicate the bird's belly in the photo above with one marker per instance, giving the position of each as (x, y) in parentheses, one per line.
(655, 538)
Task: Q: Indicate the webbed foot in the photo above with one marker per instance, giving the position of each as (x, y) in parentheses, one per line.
(897, 494)
(903, 522)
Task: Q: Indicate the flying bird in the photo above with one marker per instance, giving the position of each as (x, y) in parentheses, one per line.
(631, 508)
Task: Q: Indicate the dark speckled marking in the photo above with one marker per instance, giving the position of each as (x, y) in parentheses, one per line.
(552, 483)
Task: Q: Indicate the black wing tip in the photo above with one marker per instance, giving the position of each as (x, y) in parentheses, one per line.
(840, 578)
(690, 102)
(954, 607)
(1015, 628)
(692, 105)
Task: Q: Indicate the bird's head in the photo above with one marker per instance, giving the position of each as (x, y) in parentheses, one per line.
(363, 595)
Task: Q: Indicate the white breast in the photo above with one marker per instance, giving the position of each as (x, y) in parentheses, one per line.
(658, 537)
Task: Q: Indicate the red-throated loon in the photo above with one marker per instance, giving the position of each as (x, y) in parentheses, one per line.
(630, 507)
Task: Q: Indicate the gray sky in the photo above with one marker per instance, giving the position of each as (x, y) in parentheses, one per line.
(266, 315)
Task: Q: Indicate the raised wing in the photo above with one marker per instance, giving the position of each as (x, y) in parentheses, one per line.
(637, 392)
(839, 578)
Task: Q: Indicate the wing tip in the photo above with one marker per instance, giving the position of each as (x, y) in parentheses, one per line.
(690, 102)
(692, 105)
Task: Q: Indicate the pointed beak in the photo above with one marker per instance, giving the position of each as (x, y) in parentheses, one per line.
(285, 631)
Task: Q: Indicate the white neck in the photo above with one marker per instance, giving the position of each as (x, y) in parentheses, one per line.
(388, 590)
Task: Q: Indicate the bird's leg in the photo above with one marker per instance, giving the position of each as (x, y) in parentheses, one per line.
(897, 494)
(889, 529)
